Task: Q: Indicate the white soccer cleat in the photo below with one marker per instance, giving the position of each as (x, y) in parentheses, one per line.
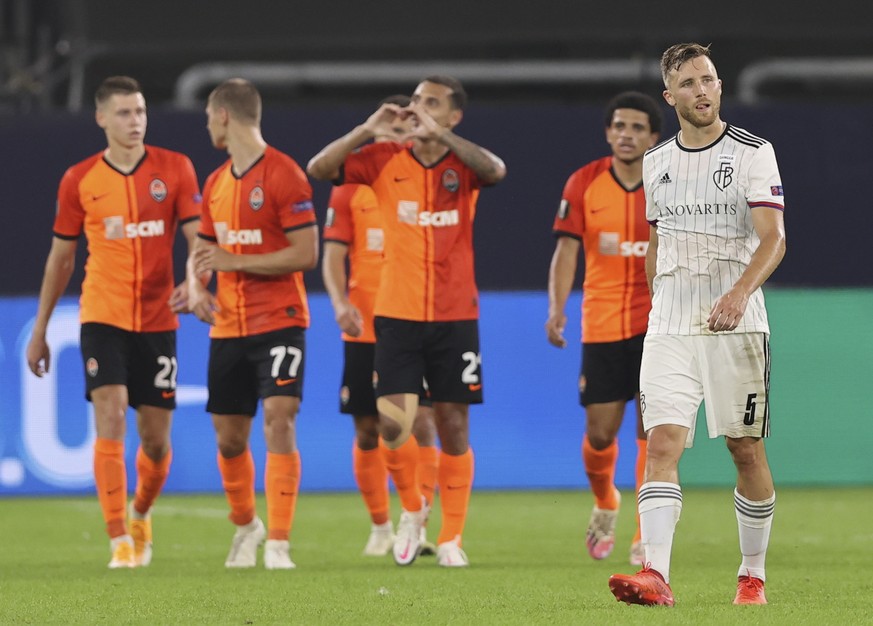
(427, 547)
(408, 540)
(600, 536)
(277, 554)
(122, 552)
(449, 554)
(244, 548)
(381, 540)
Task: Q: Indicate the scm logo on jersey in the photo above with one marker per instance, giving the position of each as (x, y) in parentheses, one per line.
(633, 248)
(243, 237)
(439, 218)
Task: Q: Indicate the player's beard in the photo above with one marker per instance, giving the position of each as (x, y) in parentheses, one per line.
(690, 115)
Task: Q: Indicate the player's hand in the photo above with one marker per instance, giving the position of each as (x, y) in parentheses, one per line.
(382, 121)
(203, 305)
(349, 319)
(178, 301)
(555, 330)
(425, 127)
(212, 257)
(38, 356)
(728, 310)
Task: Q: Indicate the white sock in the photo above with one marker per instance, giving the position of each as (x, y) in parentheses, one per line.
(659, 504)
(754, 520)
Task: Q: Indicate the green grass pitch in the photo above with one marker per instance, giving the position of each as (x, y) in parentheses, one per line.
(528, 565)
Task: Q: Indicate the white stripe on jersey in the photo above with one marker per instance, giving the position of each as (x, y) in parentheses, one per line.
(700, 199)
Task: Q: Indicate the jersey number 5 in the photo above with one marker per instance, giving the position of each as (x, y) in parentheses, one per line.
(749, 417)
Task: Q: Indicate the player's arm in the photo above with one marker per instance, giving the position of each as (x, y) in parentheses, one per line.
(562, 273)
(728, 310)
(299, 255)
(326, 164)
(179, 298)
(333, 271)
(59, 268)
(652, 259)
(201, 302)
(488, 167)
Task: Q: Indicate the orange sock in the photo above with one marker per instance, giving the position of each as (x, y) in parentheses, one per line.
(641, 478)
(371, 475)
(281, 482)
(600, 468)
(150, 478)
(238, 480)
(428, 468)
(110, 477)
(456, 484)
(402, 463)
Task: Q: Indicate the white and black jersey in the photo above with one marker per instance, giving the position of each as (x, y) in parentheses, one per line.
(701, 200)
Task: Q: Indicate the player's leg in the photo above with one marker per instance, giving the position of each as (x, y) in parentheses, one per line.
(637, 551)
(737, 407)
(358, 399)
(106, 356)
(454, 375)
(670, 395)
(232, 402)
(152, 390)
(424, 431)
(599, 456)
(280, 358)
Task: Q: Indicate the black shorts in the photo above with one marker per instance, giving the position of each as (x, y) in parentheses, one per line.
(143, 362)
(445, 354)
(358, 391)
(243, 370)
(610, 371)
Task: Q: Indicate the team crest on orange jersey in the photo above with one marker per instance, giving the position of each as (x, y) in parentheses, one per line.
(450, 180)
(92, 367)
(158, 190)
(256, 198)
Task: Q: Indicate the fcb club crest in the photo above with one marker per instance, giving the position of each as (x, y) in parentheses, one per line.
(158, 190)
(450, 180)
(256, 198)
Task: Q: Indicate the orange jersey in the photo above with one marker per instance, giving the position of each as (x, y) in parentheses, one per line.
(251, 214)
(129, 221)
(353, 219)
(427, 215)
(610, 221)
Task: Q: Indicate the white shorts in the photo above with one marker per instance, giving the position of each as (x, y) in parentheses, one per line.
(730, 373)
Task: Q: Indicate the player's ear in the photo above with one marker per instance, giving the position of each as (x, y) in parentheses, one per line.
(455, 117)
(669, 98)
(100, 117)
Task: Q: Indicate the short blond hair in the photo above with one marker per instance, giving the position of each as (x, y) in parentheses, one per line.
(238, 97)
(675, 56)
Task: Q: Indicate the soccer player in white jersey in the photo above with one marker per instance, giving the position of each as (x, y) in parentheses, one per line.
(714, 201)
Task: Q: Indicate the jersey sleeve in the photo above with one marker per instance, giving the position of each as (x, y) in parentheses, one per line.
(338, 225)
(648, 188)
(765, 184)
(188, 200)
(207, 226)
(293, 197)
(364, 165)
(570, 219)
(70, 216)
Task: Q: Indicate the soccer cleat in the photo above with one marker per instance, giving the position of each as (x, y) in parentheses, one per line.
(646, 587)
(750, 590)
(600, 536)
(277, 554)
(381, 540)
(141, 531)
(244, 548)
(449, 554)
(122, 552)
(408, 540)
(427, 547)
(637, 554)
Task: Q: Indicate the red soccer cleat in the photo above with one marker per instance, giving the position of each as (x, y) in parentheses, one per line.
(646, 587)
(750, 590)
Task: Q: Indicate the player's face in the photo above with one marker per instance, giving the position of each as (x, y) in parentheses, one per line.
(215, 124)
(400, 130)
(630, 135)
(437, 101)
(694, 89)
(123, 117)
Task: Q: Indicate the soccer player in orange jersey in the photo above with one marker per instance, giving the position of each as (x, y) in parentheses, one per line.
(427, 307)
(603, 211)
(258, 233)
(127, 200)
(353, 232)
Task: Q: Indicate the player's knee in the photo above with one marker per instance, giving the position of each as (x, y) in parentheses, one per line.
(745, 452)
(395, 420)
